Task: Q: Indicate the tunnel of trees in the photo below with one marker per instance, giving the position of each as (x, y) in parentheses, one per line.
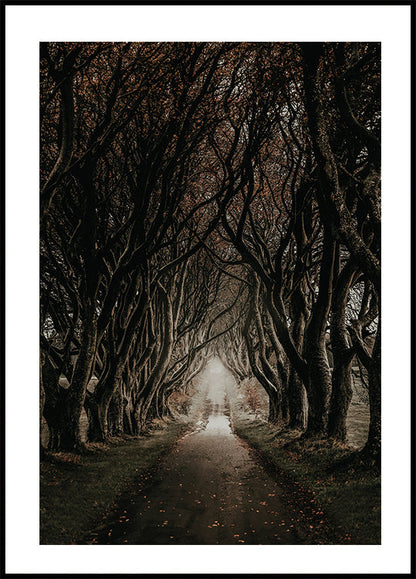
(208, 198)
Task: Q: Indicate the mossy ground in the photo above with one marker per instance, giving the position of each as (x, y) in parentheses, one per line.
(348, 496)
(76, 491)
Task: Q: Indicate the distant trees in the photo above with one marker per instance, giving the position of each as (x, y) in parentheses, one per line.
(193, 193)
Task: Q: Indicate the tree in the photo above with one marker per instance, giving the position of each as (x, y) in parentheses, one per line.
(198, 192)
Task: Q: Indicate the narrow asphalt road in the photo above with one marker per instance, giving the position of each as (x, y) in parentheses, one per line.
(209, 490)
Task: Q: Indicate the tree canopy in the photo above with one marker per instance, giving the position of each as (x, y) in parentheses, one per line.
(201, 198)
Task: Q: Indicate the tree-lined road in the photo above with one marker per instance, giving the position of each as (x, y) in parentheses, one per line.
(209, 490)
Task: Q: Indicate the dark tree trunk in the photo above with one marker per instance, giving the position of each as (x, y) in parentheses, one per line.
(372, 450)
(107, 393)
(296, 389)
(106, 389)
(128, 427)
(158, 403)
(55, 404)
(166, 411)
(91, 408)
(318, 386)
(140, 417)
(342, 355)
(340, 399)
(371, 453)
(297, 401)
(274, 394)
(135, 410)
(299, 310)
(70, 438)
(65, 154)
(285, 406)
(94, 414)
(115, 414)
(161, 364)
(42, 395)
(275, 409)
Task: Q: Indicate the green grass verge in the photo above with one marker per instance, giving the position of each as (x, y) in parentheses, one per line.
(77, 491)
(349, 497)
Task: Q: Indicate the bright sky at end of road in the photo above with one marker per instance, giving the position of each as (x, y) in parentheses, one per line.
(215, 366)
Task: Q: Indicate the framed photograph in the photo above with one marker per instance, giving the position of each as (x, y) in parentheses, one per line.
(208, 289)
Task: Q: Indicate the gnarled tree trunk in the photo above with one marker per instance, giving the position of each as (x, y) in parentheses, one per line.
(342, 354)
(318, 386)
